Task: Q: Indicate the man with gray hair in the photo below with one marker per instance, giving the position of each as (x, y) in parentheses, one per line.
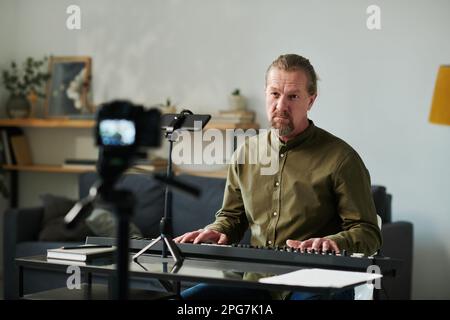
(319, 199)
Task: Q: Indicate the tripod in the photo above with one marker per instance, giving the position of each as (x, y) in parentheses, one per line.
(182, 121)
(123, 206)
(120, 129)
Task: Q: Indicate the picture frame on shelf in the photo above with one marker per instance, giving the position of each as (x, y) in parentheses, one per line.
(68, 87)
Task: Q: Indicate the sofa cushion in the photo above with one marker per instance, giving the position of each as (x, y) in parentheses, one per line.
(382, 201)
(149, 195)
(103, 223)
(53, 227)
(191, 213)
(188, 213)
(54, 206)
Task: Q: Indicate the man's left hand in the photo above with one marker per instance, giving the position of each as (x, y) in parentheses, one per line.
(318, 244)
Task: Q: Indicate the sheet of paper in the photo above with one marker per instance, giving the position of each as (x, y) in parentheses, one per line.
(321, 278)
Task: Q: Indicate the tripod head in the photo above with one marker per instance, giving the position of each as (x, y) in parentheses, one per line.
(177, 121)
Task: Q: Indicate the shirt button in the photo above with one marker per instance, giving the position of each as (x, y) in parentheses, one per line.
(275, 213)
(277, 183)
(282, 155)
(269, 242)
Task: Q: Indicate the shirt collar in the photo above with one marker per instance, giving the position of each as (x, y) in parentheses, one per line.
(299, 139)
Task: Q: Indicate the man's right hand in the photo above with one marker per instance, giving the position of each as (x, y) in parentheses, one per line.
(202, 235)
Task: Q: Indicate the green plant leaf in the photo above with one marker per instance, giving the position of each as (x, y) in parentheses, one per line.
(28, 77)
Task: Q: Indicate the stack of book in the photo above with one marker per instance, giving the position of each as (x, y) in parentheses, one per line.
(83, 253)
(88, 164)
(233, 117)
(14, 147)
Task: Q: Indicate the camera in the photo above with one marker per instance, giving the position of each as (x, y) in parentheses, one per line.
(122, 124)
(122, 129)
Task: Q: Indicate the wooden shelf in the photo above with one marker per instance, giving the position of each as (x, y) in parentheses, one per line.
(47, 123)
(203, 173)
(72, 123)
(78, 169)
(138, 169)
(47, 168)
(83, 123)
(224, 126)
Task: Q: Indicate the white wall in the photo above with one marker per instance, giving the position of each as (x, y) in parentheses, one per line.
(8, 13)
(375, 88)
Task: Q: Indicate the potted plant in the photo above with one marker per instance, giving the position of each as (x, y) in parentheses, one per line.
(237, 101)
(167, 107)
(24, 86)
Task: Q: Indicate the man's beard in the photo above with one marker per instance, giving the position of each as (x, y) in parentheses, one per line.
(283, 129)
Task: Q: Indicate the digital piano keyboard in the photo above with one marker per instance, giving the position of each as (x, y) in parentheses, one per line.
(267, 255)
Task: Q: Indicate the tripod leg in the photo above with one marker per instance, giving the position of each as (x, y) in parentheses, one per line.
(173, 250)
(151, 244)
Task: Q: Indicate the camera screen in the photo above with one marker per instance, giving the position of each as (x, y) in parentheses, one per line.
(117, 132)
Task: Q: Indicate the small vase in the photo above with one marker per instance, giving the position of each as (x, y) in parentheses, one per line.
(32, 99)
(18, 107)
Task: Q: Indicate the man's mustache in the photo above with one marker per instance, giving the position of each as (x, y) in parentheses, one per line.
(281, 115)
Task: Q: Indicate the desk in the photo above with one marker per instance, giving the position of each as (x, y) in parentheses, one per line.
(225, 272)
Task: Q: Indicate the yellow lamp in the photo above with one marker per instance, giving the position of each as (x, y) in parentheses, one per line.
(440, 107)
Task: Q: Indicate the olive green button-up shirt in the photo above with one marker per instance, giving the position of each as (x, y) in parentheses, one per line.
(321, 189)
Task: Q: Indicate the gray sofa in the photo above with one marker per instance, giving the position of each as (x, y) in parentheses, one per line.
(22, 227)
